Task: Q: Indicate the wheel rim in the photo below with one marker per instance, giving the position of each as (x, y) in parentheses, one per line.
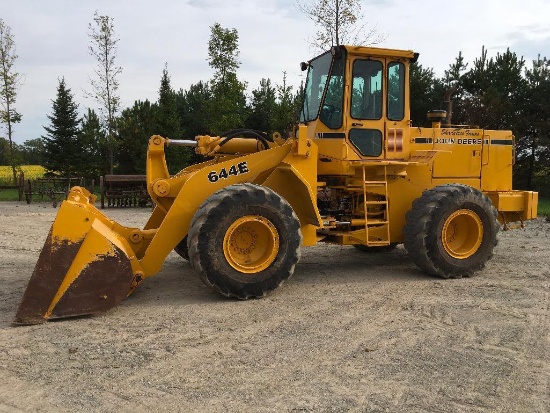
(462, 234)
(251, 244)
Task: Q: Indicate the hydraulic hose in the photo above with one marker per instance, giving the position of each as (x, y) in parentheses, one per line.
(244, 133)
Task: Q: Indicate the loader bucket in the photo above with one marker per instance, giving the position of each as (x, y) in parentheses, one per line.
(85, 267)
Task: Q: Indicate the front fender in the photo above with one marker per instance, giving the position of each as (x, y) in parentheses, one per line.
(193, 189)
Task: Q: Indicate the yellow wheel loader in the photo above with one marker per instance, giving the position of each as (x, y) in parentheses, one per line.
(353, 172)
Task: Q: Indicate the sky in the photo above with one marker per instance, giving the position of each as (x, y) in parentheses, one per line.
(52, 41)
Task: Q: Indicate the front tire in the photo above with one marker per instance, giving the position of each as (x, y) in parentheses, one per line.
(451, 231)
(182, 250)
(244, 241)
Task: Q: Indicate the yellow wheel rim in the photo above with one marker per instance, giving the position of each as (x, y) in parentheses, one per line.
(251, 244)
(462, 234)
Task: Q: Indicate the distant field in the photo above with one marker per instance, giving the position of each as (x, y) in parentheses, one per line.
(30, 171)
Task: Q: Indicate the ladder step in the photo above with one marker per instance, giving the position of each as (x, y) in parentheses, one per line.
(382, 224)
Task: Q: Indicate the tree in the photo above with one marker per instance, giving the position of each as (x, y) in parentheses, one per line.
(338, 22)
(62, 144)
(223, 52)
(227, 108)
(193, 106)
(5, 152)
(135, 126)
(533, 146)
(499, 93)
(263, 108)
(452, 81)
(288, 105)
(103, 47)
(228, 105)
(95, 145)
(494, 90)
(426, 93)
(32, 152)
(167, 120)
(168, 124)
(9, 84)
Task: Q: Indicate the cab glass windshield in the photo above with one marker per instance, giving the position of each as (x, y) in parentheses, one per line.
(316, 81)
(318, 78)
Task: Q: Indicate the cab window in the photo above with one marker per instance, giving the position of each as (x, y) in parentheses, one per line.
(367, 141)
(317, 77)
(324, 90)
(396, 91)
(366, 98)
(332, 110)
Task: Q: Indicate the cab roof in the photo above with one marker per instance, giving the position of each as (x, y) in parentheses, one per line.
(381, 52)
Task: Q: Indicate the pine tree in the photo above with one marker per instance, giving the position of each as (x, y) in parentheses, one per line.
(533, 145)
(192, 106)
(263, 108)
(288, 107)
(494, 89)
(95, 144)
(135, 126)
(167, 120)
(168, 124)
(453, 79)
(426, 94)
(64, 152)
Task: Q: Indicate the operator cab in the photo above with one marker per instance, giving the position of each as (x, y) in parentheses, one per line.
(356, 104)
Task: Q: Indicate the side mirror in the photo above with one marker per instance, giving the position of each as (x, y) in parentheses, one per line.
(304, 66)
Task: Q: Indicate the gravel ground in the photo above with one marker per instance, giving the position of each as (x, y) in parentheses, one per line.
(349, 331)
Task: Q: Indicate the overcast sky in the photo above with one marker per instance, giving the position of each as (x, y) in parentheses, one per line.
(52, 41)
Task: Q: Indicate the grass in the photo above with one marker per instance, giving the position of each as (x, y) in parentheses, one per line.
(9, 195)
(544, 207)
(13, 195)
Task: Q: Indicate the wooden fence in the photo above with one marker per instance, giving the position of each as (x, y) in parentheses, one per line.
(54, 189)
(123, 191)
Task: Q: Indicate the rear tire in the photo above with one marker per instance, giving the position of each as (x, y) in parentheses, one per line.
(244, 241)
(451, 231)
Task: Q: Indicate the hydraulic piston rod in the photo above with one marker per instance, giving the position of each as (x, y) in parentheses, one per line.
(181, 142)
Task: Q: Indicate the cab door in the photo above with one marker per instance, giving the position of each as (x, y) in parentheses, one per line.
(379, 124)
(367, 101)
(397, 132)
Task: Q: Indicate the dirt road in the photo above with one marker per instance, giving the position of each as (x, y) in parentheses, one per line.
(349, 331)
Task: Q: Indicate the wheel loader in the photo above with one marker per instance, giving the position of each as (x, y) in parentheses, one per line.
(354, 171)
